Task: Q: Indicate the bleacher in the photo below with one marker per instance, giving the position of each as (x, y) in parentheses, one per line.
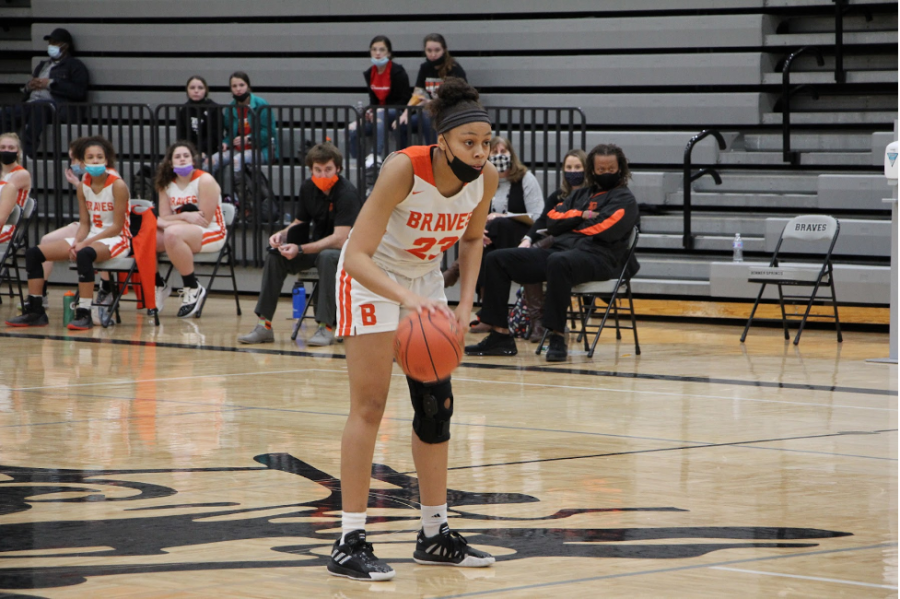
(647, 74)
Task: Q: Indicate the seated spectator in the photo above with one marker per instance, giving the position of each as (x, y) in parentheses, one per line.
(103, 233)
(15, 182)
(388, 85)
(327, 208)
(438, 65)
(239, 122)
(515, 206)
(200, 121)
(572, 179)
(190, 222)
(61, 79)
(590, 232)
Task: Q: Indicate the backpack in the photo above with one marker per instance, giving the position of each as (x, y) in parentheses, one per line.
(142, 184)
(254, 184)
(518, 320)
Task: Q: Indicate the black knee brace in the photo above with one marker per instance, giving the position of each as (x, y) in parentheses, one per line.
(34, 258)
(432, 420)
(85, 261)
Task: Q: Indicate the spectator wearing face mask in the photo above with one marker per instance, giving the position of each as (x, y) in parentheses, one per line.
(571, 181)
(388, 84)
(63, 78)
(514, 208)
(249, 124)
(438, 65)
(590, 231)
(200, 121)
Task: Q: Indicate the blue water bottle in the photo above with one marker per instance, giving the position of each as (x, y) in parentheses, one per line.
(299, 294)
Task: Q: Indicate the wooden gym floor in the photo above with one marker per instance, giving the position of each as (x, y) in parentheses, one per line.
(173, 462)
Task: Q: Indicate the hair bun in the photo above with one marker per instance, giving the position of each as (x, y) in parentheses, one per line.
(452, 92)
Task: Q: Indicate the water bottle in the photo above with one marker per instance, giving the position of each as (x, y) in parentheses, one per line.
(68, 307)
(359, 108)
(738, 247)
(299, 295)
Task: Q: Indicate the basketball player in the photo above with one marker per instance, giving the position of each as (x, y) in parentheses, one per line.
(190, 221)
(15, 182)
(102, 234)
(426, 199)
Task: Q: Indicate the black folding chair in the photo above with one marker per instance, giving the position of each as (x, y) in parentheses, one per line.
(587, 296)
(10, 251)
(802, 231)
(311, 276)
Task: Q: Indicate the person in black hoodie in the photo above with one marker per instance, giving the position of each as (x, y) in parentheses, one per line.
(200, 121)
(388, 85)
(590, 231)
(63, 78)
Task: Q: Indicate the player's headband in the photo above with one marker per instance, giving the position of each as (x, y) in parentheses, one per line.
(466, 112)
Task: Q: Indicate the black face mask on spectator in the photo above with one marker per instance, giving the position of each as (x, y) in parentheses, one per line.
(8, 157)
(437, 62)
(240, 97)
(607, 181)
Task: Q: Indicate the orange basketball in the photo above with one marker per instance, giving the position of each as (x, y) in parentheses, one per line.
(427, 346)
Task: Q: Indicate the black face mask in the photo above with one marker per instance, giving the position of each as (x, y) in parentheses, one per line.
(574, 178)
(463, 171)
(607, 181)
(241, 97)
(8, 157)
(437, 62)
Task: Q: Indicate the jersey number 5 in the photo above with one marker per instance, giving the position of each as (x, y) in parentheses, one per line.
(423, 245)
(97, 221)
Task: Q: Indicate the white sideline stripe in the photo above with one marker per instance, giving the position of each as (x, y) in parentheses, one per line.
(681, 395)
(816, 578)
(176, 378)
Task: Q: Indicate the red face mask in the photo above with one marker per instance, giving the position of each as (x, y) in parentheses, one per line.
(325, 183)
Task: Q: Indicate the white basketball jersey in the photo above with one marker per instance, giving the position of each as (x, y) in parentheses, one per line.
(191, 195)
(7, 230)
(101, 206)
(425, 224)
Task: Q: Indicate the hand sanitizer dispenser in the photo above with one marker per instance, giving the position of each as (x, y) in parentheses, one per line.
(890, 163)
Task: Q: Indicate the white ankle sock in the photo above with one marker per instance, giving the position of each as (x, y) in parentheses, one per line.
(351, 521)
(84, 304)
(432, 518)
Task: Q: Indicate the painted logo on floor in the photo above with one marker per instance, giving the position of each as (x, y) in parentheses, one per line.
(155, 535)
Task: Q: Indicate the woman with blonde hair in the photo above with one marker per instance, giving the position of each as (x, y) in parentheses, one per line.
(15, 182)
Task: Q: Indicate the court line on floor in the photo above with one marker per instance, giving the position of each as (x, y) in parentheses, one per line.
(814, 578)
(83, 420)
(175, 378)
(662, 571)
(683, 395)
(519, 368)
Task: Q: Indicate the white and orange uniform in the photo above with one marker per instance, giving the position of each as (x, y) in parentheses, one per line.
(421, 228)
(214, 233)
(101, 208)
(6, 232)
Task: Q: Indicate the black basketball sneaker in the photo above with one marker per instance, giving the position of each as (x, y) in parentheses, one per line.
(448, 548)
(354, 559)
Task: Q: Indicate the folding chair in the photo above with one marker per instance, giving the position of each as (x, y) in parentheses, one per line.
(805, 230)
(9, 252)
(311, 276)
(114, 266)
(587, 295)
(215, 258)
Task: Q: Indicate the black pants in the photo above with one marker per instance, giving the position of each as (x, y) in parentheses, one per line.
(562, 269)
(30, 118)
(276, 270)
(504, 233)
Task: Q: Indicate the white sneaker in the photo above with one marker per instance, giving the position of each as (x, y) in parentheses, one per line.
(161, 294)
(191, 301)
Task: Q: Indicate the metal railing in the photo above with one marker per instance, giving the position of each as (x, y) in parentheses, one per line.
(786, 93)
(687, 239)
(267, 196)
